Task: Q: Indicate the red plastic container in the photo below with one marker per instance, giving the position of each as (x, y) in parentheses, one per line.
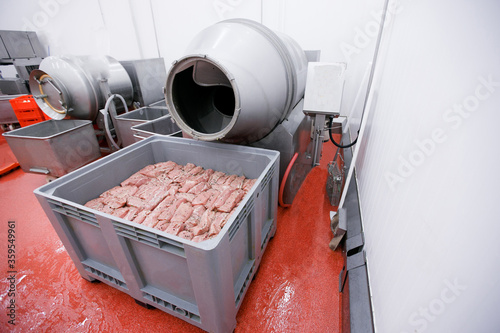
(27, 111)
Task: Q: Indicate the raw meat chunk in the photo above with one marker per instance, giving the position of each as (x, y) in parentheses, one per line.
(176, 172)
(162, 225)
(220, 188)
(165, 203)
(182, 213)
(205, 222)
(121, 212)
(156, 197)
(153, 171)
(152, 219)
(181, 178)
(198, 211)
(164, 179)
(221, 200)
(141, 216)
(188, 185)
(167, 214)
(202, 177)
(195, 217)
(218, 223)
(194, 171)
(147, 169)
(165, 167)
(110, 192)
(174, 228)
(188, 167)
(200, 187)
(108, 210)
(202, 198)
(213, 199)
(238, 182)
(149, 191)
(200, 238)
(96, 204)
(120, 191)
(136, 179)
(222, 179)
(144, 191)
(135, 202)
(209, 172)
(130, 190)
(215, 177)
(188, 196)
(172, 189)
(232, 201)
(167, 164)
(248, 184)
(115, 202)
(186, 234)
(132, 213)
(230, 179)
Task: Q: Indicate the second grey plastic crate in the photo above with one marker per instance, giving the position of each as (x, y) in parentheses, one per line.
(125, 121)
(201, 283)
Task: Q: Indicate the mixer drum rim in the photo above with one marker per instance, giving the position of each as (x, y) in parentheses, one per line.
(200, 123)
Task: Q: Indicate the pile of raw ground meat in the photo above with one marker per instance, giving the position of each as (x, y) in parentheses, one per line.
(184, 200)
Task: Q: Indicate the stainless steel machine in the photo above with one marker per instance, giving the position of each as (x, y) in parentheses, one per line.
(78, 94)
(23, 50)
(86, 87)
(240, 82)
(20, 52)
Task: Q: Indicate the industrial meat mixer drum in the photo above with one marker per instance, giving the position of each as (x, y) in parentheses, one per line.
(238, 80)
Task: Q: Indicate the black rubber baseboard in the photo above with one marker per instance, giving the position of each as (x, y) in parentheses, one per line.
(357, 316)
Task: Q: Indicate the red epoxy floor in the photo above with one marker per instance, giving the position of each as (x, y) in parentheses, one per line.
(295, 289)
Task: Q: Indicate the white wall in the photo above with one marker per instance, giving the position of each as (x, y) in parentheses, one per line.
(428, 175)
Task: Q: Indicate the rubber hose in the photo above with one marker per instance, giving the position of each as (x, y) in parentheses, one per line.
(283, 181)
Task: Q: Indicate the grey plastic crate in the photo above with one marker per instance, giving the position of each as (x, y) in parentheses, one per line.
(201, 283)
(54, 147)
(163, 126)
(125, 121)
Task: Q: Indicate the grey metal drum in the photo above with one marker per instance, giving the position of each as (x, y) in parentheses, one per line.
(70, 85)
(237, 81)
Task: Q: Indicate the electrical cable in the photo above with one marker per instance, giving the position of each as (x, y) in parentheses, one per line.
(370, 79)
(338, 144)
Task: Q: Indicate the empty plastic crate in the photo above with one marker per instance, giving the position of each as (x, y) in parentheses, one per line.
(125, 121)
(27, 111)
(201, 283)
